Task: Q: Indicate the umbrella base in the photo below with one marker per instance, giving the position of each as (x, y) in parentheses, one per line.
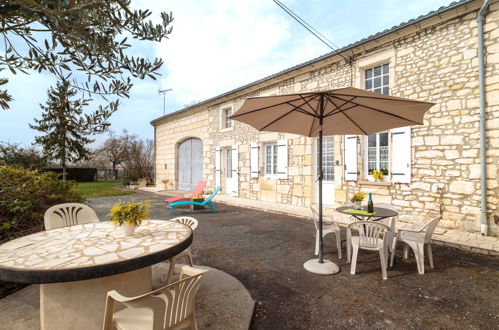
(326, 268)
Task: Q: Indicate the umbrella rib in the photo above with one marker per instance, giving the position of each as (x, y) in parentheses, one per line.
(307, 102)
(336, 106)
(348, 117)
(296, 108)
(378, 110)
(311, 127)
(299, 109)
(264, 108)
(278, 118)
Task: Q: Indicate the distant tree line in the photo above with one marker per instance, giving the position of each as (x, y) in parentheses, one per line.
(127, 151)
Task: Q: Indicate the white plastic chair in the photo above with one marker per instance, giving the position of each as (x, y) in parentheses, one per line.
(69, 214)
(170, 307)
(371, 236)
(328, 226)
(390, 222)
(416, 238)
(193, 223)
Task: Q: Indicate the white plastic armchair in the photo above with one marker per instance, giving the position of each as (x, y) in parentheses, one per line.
(328, 226)
(68, 214)
(193, 223)
(390, 222)
(416, 239)
(170, 307)
(371, 236)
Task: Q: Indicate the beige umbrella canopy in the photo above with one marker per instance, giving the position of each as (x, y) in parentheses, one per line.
(334, 112)
(345, 111)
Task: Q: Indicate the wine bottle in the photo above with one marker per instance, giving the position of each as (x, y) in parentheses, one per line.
(370, 204)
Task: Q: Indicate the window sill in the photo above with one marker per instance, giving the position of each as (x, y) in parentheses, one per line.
(228, 129)
(373, 183)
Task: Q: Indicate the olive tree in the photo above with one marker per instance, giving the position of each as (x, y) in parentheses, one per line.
(88, 36)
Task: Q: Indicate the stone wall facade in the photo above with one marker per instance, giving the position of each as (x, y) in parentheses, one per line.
(436, 63)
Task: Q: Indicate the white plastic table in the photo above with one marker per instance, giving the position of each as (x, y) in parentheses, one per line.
(76, 266)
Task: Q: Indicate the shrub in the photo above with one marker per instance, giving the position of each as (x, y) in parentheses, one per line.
(15, 154)
(25, 195)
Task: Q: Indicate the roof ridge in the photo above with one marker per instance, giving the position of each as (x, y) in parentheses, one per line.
(440, 10)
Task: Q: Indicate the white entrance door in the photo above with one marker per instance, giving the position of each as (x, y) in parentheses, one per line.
(327, 170)
(231, 171)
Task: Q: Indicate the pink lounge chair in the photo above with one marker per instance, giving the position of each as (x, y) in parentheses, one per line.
(198, 190)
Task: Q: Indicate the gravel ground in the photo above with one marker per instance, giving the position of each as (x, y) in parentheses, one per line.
(266, 253)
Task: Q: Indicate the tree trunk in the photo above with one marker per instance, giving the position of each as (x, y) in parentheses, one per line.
(115, 171)
(63, 165)
(63, 160)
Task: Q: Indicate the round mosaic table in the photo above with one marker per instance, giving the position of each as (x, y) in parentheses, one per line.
(78, 265)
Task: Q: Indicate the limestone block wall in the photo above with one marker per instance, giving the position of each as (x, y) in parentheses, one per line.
(437, 64)
(183, 126)
(440, 65)
(292, 190)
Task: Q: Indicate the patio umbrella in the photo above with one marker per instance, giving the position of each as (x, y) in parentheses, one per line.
(334, 112)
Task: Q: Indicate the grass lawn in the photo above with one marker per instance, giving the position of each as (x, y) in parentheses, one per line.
(102, 189)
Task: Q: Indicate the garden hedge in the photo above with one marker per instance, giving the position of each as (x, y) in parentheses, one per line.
(78, 174)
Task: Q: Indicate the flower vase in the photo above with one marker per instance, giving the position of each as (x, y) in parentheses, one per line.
(357, 205)
(128, 229)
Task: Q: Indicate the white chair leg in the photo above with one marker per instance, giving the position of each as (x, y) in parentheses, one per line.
(317, 242)
(338, 242)
(430, 256)
(354, 259)
(189, 256)
(419, 254)
(194, 324)
(169, 277)
(382, 257)
(349, 247)
(391, 237)
(406, 252)
(394, 248)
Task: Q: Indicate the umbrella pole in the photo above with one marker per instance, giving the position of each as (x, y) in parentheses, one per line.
(321, 266)
(321, 246)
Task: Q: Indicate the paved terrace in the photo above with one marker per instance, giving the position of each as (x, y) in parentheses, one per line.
(448, 237)
(266, 251)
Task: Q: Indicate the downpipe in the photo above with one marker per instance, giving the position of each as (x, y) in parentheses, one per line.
(483, 160)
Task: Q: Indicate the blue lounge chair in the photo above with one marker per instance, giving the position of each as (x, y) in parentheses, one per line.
(206, 202)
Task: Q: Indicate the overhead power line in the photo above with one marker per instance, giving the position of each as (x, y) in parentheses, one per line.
(311, 29)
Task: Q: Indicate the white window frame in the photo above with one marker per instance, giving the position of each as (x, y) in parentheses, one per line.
(228, 163)
(366, 152)
(226, 123)
(324, 155)
(385, 76)
(274, 159)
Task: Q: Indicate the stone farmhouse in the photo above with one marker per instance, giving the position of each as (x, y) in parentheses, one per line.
(429, 170)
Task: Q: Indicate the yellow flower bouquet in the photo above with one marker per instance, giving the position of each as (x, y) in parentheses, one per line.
(358, 197)
(129, 213)
(377, 175)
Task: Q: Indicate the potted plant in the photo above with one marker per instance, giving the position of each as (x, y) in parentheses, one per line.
(129, 215)
(377, 175)
(357, 198)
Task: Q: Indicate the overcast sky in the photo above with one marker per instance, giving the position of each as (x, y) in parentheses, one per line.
(216, 46)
